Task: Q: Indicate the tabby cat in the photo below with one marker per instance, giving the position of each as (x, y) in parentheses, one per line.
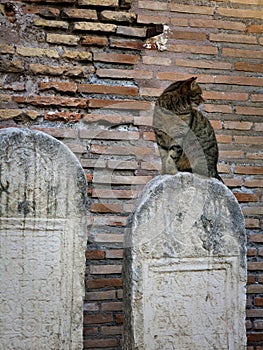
(185, 138)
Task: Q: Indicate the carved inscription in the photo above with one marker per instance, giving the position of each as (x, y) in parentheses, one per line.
(42, 243)
(187, 305)
(185, 267)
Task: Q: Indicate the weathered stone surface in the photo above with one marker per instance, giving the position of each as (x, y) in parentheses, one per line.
(113, 3)
(42, 240)
(77, 55)
(120, 16)
(62, 39)
(13, 113)
(91, 26)
(51, 23)
(185, 267)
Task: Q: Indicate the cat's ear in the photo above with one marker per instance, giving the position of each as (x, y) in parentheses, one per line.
(188, 85)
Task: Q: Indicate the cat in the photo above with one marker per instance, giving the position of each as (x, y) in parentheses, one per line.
(185, 137)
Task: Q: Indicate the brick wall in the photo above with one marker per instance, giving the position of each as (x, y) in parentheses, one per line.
(84, 72)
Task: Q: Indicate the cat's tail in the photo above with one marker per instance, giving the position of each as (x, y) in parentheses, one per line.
(219, 178)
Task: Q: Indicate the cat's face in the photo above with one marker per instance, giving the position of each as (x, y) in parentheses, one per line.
(192, 90)
(187, 88)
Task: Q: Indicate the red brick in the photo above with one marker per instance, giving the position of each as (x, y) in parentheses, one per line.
(255, 28)
(58, 86)
(241, 13)
(114, 254)
(112, 306)
(94, 40)
(254, 312)
(105, 269)
(149, 136)
(163, 61)
(253, 210)
(142, 18)
(97, 318)
(252, 223)
(52, 101)
(103, 283)
(256, 238)
(104, 295)
(257, 97)
(233, 38)
(151, 5)
(91, 306)
(111, 330)
(131, 31)
(251, 252)
(251, 140)
(115, 221)
(196, 49)
(251, 279)
(119, 104)
(241, 53)
(116, 58)
(255, 266)
(119, 318)
(90, 330)
(100, 343)
(249, 67)
(203, 10)
(225, 95)
(120, 150)
(234, 80)
(79, 14)
(218, 24)
(254, 155)
(58, 132)
(233, 182)
(108, 134)
(237, 125)
(207, 64)
(95, 254)
(224, 138)
(132, 44)
(236, 154)
(108, 119)
(254, 337)
(172, 76)
(258, 301)
(109, 238)
(258, 324)
(246, 197)
(124, 73)
(121, 194)
(105, 208)
(188, 35)
(254, 183)
(249, 110)
(249, 169)
(62, 116)
(108, 89)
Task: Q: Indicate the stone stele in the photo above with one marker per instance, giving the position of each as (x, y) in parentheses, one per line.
(185, 267)
(42, 242)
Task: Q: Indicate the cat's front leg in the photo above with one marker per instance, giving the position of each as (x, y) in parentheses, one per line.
(168, 166)
(173, 156)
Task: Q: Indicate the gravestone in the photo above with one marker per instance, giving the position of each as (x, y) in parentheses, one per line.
(185, 267)
(42, 242)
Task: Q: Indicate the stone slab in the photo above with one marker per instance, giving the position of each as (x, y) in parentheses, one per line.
(185, 267)
(42, 242)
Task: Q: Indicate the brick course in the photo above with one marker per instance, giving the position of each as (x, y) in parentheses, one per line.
(78, 70)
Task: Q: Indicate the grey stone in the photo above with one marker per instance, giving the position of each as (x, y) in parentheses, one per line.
(42, 239)
(185, 267)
